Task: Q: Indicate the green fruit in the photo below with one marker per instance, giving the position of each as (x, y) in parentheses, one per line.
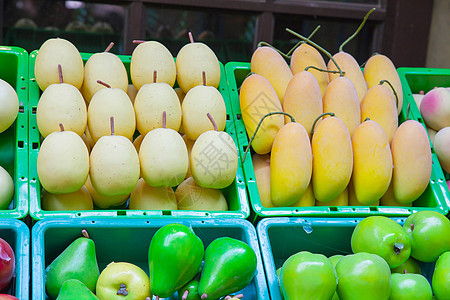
(124, 281)
(230, 265)
(429, 232)
(410, 267)
(190, 290)
(305, 275)
(441, 277)
(410, 286)
(334, 260)
(384, 237)
(175, 256)
(77, 261)
(74, 289)
(363, 276)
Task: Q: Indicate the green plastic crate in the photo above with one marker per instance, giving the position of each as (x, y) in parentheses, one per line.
(415, 80)
(14, 141)
(17, 234)
(280, 238)
(235, 193)
(52, 236)
(436, 196)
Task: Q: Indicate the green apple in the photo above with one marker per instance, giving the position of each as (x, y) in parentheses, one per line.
(410, 286)
(123, 281)
(305, 275)
(363, 276)
(441, 277)
(410, 266)
(334, 260)
(384, 237)
(429, 232)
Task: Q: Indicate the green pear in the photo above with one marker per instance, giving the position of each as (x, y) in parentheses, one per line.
(429, 232)
(193, 59)
(306, 275)
(106, 67)
(163, 157)
(441, 277)
(104, 201)
(230, 265)
(61, 103)
(78, 200)
(174, 256)
(363, 276)
(384, 237)
(124, 281)
(197, 103)
(410, 266)
(410, 286)
(214, 159)
(106, 103)
(77, 261)
(114, 165)
(148, 57)
(62, 162)
(9, 102)
(191, 196)
(54, 52)
(6, 189)
(151, 100)
(73, 289)
(146, 197)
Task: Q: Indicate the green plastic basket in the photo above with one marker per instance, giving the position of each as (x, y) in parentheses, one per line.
(14, 141)
(415, 80)
(52, 236)
(17, 234)
(436, 197)
(235, 193)
(280, 238)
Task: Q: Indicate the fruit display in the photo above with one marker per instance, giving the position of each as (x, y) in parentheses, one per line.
(370, 258)
(165, 135)
(157, 259)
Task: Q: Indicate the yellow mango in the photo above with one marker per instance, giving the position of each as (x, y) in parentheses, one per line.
(351, 70)
(379, 106)
(332, 159)
(307, 199)
(257, 98)
(341, 200)
(303, 100)
(341, 99)
(261, 167)
(269, 63)
(290, 164)
(306, 55)
(372, 162)
(380, 67)
(352, 197)
(388, 198)
(411, 154)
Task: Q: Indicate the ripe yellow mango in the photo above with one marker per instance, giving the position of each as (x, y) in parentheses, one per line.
(351, 70)
(307, 199)
(352, 197)
(411, 154)
(269, 63)
(303, 99)
(341, 99)
(388, 198)
(305, 56)
(332, 159)
(257, 98)
(290, 164)
(372, 162)
(341, 200)
(261, 167)
(380, 67)
(379, 106)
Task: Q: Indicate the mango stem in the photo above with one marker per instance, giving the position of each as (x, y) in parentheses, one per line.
(273, 47)
(60, 74)
(109, 47)
(212, 121)
(357, 30)
(302, 42)
(317, 119)
(393, 90)
(259, 125)
(318, 47)
(321, 70)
